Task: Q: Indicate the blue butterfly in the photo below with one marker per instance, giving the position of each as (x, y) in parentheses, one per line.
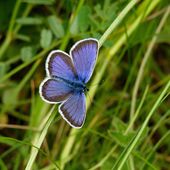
(66, 80)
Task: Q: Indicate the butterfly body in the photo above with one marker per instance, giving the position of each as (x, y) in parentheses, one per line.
(67, 75)
(76, 86)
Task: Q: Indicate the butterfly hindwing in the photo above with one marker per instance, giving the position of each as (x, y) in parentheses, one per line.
(84, 54)
(73, 110)
(54, 90)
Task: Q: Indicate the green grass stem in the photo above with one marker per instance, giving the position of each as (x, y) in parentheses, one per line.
(144, 61)
(98, 76)
(127, 151)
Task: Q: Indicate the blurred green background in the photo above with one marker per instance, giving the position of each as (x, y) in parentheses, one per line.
(128, 107)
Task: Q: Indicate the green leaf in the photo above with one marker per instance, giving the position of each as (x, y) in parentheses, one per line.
(30, 20)
(3, 69)
(84, 18)
(56, 26)
(10, 141)
(23, 37)
(81, 21)
(74, 26)
(9, 97)
(40, 2)
(46, 38)
(164, 35)
(26, 53)
(3, 165)
(122, 139)
(119, 124)
(5, 11)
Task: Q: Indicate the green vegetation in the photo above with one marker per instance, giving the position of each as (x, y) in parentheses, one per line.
(128, 109)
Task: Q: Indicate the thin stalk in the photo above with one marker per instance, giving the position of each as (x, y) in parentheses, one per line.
(25, 13)
(115, 23)
(12, 60)
(111, 53)
(144, 61)
(158, 124)
(8, 39)
(137, 111)
(155, 148)
(102, 161)
(21, 127)
(39, 137)
(66, 38)
(27, 77)
(126, 132)
(20, 67)
(123, 157)
(127, 151)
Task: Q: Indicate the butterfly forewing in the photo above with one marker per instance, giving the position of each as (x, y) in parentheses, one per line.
(59, 64)
(84, 54)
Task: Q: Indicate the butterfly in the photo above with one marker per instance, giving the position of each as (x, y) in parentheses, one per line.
(67, 75)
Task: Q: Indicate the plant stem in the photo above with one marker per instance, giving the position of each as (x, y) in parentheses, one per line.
(9, 32)
(14, 71)
(111, 53)
(39, 137)
(124, 155)
(66, 38)
(117, 21)
(144, 61)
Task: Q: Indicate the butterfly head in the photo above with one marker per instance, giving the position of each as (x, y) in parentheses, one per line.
(85, 89)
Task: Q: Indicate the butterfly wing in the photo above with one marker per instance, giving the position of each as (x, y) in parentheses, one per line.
(79, 66)
(84, 54)
(73, 110)
(59, 64)
(54, 90)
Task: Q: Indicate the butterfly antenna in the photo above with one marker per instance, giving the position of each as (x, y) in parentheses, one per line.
(91, 101)
(100, 83)
(97, 84)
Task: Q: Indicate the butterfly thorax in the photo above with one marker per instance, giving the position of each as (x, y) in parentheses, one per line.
(76, 85)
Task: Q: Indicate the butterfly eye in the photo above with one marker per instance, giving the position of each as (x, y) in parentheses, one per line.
(85, 89)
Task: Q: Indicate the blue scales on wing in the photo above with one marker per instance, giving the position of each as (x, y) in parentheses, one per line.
(73, 110)
(84, 55)
(54, 90)
(59, 64)
(67, 77)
